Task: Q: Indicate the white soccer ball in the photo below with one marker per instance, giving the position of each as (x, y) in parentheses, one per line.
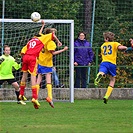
(35, 16)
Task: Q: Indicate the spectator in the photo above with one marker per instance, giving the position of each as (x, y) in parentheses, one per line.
(83, 57)
(55, 75)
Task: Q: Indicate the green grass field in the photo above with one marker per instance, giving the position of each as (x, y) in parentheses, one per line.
(82, 116)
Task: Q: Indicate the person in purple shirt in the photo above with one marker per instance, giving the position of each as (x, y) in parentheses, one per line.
(83, 57)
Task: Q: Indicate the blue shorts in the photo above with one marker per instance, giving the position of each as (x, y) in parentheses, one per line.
(44, 70)
(108, 68)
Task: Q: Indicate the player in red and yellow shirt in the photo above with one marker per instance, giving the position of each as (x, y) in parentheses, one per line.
(108, 65)
(30, 54)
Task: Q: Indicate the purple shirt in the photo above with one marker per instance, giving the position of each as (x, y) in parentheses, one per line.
(83, 53)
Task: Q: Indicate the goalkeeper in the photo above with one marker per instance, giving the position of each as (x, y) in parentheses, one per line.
(7, 63)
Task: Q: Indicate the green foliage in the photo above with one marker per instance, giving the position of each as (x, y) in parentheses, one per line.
(110, 15)
(51, 9)
(115, 18)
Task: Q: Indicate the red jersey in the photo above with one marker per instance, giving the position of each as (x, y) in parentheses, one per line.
(35, 45)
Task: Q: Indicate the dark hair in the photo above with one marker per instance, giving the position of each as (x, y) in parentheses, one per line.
(37, 35)
(79, 35)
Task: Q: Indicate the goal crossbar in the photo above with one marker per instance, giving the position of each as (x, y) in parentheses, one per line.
(30, 21)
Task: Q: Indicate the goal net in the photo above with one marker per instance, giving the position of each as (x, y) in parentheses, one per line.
(17, 32)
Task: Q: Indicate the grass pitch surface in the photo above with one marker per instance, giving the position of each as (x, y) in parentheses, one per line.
(82, 116)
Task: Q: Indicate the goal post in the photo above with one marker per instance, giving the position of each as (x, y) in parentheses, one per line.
(16, 33)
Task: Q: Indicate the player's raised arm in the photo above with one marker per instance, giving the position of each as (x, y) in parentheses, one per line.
(43, 24)
(57, 40)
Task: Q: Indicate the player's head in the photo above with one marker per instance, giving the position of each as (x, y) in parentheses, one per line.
(7, 50)
(50, 30)
(108, 36)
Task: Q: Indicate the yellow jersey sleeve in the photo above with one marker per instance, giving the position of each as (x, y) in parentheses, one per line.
(24, 49)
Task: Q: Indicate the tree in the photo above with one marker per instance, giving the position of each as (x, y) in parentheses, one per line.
(87, 15)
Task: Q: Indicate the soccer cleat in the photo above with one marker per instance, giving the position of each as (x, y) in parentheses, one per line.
(21, 102)
(98, 78)
(22, 98)
(50, 102)
(105, 100)
(35, 103)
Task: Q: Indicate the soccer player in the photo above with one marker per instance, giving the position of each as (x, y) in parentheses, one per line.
(30, 54)
(45, 64)
(108, 65)
(7, 63)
